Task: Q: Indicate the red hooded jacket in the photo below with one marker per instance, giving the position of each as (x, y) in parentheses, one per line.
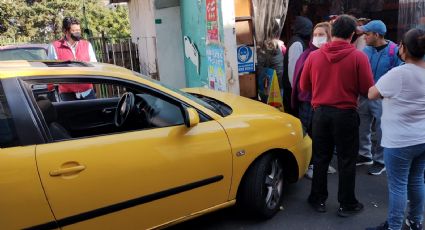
(336, 74)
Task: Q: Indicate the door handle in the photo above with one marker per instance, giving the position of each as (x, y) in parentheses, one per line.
(108, 110)
(74, 169)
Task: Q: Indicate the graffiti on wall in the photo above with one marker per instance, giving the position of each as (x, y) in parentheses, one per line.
(191, 52)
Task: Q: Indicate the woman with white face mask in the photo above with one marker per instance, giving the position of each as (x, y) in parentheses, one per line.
(301, 101)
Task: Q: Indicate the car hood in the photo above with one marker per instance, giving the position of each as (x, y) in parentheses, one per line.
(240, 105)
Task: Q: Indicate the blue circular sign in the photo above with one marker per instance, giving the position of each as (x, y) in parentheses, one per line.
(244, 54)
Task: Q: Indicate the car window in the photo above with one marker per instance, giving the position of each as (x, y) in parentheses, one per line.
(191, 97)
(100, 110)
(23, 54)
(8, 137)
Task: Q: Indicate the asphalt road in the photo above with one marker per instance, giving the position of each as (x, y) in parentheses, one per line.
(297, 214)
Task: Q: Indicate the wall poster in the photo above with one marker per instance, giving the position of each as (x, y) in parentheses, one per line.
(212, 21)
(216, 68)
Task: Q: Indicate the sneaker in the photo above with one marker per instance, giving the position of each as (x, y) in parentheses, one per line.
(309, 173)
(376, 169)
(411, 225)
(349, 210)
(361, 160)
(331, 170)
(383, 226)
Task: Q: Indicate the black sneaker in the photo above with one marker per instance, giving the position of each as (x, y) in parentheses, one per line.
(383, 226)
(361, 160)
(411, 225)
(349, 210)
(376, 169)
(317, 206)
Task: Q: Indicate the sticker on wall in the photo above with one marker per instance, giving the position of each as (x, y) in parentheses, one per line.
(191, 52)
(245, 59)
(216, 68)
(212, 21)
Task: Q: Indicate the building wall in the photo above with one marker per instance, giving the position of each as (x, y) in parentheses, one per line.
(194, 27)
(171, 63)
(162, 45)
(230, 46)
(142, 22)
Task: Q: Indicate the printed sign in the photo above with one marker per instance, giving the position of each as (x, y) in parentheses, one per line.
(245, 59)
(216, 68)
(212, 21)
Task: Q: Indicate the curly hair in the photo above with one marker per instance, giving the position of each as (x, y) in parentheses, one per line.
(68, 22)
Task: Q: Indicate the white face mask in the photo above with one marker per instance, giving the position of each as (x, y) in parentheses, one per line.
(319, 41)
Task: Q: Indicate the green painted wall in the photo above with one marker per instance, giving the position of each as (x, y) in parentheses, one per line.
(193, 13)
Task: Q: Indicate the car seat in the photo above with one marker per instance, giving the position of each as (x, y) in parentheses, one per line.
(57, 131)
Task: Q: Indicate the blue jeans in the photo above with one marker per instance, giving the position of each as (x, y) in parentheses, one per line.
(405, 173)
(369, 110)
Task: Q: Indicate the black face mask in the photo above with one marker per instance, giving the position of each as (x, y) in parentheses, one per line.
(76, 36)
(399, 56)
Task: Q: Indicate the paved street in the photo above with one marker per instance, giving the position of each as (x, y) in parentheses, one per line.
(297, 214)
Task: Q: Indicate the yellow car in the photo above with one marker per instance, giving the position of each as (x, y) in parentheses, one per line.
(135, 154)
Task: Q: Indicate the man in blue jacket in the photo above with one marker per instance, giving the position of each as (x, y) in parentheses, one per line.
(382, 56)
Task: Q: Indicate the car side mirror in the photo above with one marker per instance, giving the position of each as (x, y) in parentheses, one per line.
(191, 117)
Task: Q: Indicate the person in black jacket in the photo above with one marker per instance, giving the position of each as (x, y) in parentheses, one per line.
(302, 30)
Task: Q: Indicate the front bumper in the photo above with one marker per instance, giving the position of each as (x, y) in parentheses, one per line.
(302, 153)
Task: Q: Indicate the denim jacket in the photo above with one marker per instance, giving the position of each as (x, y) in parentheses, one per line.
(382, 61)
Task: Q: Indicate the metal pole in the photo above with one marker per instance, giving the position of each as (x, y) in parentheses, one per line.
(131, 56)
(122, 54)
(113, 53)
(85, 18)
(138, 55)
(105, 48)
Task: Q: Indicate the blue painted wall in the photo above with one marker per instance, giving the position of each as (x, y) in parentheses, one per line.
(193, 13)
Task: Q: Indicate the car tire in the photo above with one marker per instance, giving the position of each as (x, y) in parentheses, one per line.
(262, 189)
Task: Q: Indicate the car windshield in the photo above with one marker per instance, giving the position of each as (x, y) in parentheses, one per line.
(191, 97)
(23, 54)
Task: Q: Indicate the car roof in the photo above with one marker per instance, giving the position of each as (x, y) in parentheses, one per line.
(21, 68)
(24, 46)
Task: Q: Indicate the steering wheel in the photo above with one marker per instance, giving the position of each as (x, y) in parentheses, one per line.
(145, 112)
(124, 108)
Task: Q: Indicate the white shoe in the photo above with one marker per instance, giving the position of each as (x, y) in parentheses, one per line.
(331, 170)
(309, 173)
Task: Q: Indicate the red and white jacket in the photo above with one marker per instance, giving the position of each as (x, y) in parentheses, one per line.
(64, 53)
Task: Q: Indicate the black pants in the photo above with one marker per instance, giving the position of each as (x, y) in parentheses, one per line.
(340, 128)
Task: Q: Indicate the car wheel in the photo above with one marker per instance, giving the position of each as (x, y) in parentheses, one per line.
(261, 190)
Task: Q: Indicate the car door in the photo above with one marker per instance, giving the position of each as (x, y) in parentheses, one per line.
(23, 203)
(87, 117)
(137, 179)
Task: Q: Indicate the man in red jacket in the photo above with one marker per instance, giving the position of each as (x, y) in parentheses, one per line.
(73, 48)
(336, 74)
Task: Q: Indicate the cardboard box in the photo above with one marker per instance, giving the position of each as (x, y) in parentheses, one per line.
(242, 8)
(248, 86)
(244, 33)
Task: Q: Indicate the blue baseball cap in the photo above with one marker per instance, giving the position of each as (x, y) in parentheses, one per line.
(375, 26)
